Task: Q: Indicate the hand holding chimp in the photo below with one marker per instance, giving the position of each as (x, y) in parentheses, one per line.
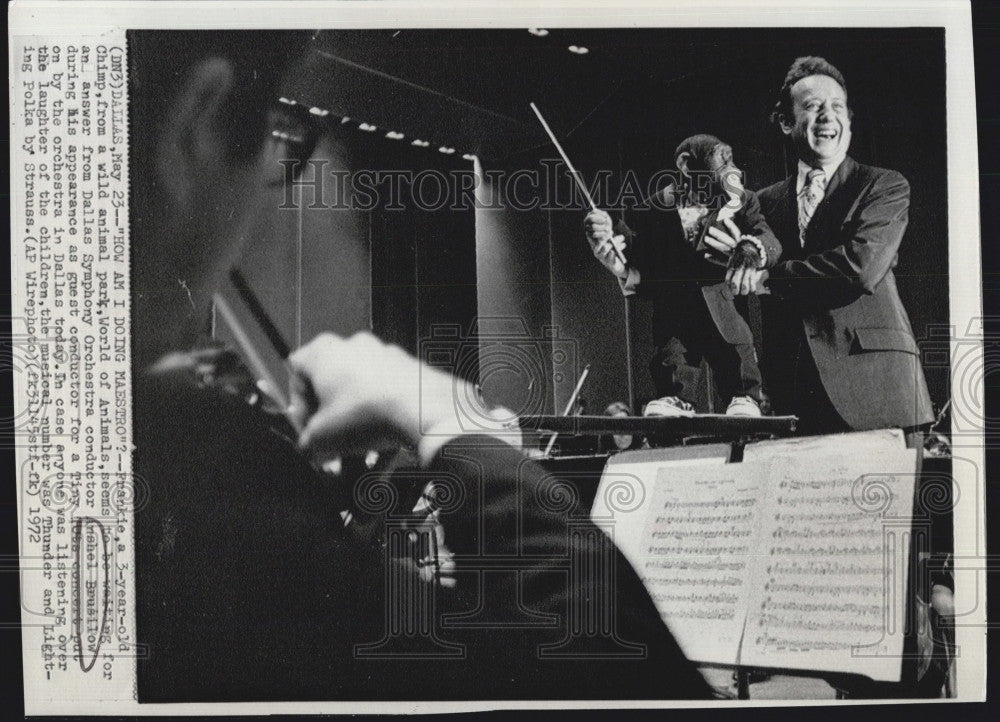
(747, 281)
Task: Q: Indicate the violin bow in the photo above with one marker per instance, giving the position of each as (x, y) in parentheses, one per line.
(253, 355)
(569, 406)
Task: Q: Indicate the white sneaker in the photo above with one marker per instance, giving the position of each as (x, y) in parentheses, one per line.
(743, 406)
(668, 406)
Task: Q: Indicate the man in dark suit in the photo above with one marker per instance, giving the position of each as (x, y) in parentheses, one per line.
(838, 345)
(836, 333)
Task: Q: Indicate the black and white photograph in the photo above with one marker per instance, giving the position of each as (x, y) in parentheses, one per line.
(625, 359)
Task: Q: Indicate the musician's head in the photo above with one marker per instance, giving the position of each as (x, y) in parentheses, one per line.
(199, 129)
(812, 111)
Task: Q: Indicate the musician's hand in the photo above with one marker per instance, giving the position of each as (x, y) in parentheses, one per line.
(608, 248)
(358, 393)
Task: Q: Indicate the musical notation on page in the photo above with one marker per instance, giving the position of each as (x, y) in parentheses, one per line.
(795, 558)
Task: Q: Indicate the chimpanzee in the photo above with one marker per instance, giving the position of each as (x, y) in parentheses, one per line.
(686, 249)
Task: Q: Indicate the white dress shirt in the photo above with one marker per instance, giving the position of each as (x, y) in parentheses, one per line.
(829, 168)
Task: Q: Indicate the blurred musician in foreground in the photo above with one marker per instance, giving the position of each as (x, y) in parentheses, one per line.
(250, 586)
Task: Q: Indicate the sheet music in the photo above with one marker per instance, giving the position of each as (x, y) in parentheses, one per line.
(698, 546)
(855, 443)
(628, 481)
(830, 591)
(795, 558)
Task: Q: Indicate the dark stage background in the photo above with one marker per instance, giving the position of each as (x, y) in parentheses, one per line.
(623, 106)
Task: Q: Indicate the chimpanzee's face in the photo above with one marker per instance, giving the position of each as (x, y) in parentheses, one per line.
(711, 168)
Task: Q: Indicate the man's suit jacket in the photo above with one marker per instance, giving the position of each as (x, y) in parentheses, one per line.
(841, 287)
(670, 271)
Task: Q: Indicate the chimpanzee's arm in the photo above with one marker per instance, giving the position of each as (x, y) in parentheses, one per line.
(750, 220)
(633, 256)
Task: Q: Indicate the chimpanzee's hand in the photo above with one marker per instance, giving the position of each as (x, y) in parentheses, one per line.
(608, 248)
(721, 242)
(745, 255)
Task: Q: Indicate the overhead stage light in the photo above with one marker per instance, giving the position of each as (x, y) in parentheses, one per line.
(420, 143)
(393, 135)
(579, 49)
(446, 150)
(540, 32)
(469, 157)
(367, 128)
(320, 112)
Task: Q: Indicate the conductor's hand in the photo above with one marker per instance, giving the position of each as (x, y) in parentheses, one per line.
(354, 394)
(746, 281)
(608, 248)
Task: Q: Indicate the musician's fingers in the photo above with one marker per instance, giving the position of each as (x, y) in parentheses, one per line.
(269, 390)
(310, 358)
(598, 226)
(733, 228)
(208, 355)
(714, 260)
(301, 400)
(619, 242)
(747, 282)
(729, 275)
(324, 430)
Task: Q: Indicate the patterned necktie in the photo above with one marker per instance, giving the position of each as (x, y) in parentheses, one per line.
(810, 197)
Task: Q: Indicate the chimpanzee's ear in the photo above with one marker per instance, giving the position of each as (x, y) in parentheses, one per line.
(682, 161)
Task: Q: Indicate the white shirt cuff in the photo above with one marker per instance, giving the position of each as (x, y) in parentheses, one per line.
(629, 285)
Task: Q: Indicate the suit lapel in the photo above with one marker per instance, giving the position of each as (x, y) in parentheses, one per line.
(832, 208)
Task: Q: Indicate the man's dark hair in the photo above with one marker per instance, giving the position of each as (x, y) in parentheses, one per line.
(159, 62)
(802, 68)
